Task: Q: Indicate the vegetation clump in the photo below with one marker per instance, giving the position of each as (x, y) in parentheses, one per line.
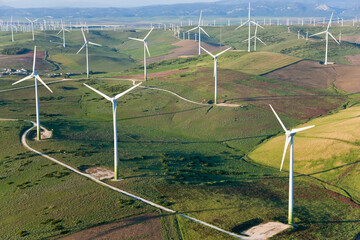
(14, 50)
(23, 233)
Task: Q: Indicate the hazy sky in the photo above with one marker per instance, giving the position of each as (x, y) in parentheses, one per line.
(91, 3)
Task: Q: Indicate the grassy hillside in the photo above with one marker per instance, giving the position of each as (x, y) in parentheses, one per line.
(330, 151)
(279, 40)
(40, 199)
(188, 157)
(118, 53)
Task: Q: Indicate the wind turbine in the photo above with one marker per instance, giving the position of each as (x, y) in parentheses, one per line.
(32, 26)
(248, 21)
(36, 76)
(289, 139)
(12, 30)
(114, 105)
(215, 68)
(255, 39)
(200, 29)
(63, 31)
(146, 48)
(86, 45)
(327, 33)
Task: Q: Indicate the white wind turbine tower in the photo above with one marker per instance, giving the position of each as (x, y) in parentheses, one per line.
(63, 30)
(200, 29)
(327, 33)
(255, 38)
(32, 26)
(114, 105)
(215, 69)
(249, 22)
(12, 30)
(86, 45)
(146, 49)
(36, 76)
(289, 139)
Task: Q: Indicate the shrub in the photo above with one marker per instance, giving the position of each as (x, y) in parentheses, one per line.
(23, 233)
(14, 50)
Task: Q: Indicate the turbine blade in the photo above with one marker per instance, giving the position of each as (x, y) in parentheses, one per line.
(261, 41)
(28, 19)
(82, 31)
(59, 32)
(204, 31)
(317, 33)
(125, 92)
(192, 29)
(281, 123)
(98, 92)
(207, 52)
(137, 39)
(200, 18)
(301, 129)
(248, 39)
(256, 24)
(42, 82)
(242, 25)
(287, 141)
(81, 48)
(147, 48)
(95, 44)
(334, 38)
(223, 51)
(148, 33)
(34, 60)
(329, 21)
(25, 78)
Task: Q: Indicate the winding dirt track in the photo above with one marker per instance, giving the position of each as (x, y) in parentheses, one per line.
(23, 141)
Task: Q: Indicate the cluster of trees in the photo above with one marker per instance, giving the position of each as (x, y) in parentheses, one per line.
(14, 51)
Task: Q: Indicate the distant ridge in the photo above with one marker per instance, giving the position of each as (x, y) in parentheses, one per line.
(224, 8)
(6, 7)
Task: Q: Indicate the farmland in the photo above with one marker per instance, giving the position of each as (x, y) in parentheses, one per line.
(201, 160)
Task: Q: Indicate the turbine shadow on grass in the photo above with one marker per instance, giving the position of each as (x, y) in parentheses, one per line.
(330, 169)
(266, 98)
(161, 114)
(327, 222)
(191, 142)
(208, 210)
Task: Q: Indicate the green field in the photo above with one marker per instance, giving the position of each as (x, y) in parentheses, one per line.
(191, 158)
(278, 40)
(330, 151)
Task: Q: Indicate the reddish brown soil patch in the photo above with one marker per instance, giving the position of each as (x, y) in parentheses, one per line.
(315, 75)
(306, 73)
(342, 198)
(353, 39)
(348, 78)
(25, 61)
(153, 75)
(353, 59)
(185, 48)
(146, 226)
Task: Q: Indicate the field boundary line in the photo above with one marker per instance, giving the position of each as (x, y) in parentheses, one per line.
(23, 141)
(133, 81)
